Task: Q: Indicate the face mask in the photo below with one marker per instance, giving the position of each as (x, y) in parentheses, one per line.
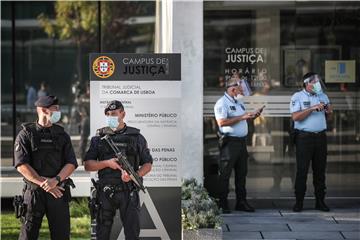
(55, 116)
(317, 88)
(112, 121)
(238, 97)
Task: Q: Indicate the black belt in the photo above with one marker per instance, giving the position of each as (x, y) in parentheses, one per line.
(114, 184)
(232, 138)
(301, 132)
(114, 188)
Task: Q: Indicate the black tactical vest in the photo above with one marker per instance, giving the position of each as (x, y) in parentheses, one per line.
(125, 140)
(46, 148)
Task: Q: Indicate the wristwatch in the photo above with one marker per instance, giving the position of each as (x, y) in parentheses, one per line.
(58, 178)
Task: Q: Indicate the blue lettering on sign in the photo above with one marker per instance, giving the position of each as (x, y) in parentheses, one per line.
(341, 68)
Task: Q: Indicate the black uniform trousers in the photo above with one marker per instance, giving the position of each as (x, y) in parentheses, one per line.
(233, 155)
(310, 147)
(128, 203)
(38, 203)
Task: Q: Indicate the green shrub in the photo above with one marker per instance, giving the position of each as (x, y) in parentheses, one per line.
(198, 209)
(79, 207)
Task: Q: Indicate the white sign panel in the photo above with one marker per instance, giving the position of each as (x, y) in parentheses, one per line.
(154, 108)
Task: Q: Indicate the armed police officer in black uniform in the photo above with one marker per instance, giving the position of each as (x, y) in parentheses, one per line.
(115, 188)
(45, 157)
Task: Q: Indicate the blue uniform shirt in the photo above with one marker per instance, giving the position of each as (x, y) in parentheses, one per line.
(227, 107)
(316, 121)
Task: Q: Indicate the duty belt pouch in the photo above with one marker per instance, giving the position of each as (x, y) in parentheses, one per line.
(224, 150)
(19, 206)
(94, 207)
(67, 194)
(222, 139)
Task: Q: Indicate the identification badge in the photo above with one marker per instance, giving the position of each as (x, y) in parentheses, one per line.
(306, 103)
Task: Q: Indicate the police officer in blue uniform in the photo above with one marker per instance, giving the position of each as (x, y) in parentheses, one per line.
(309, 109)
(116, 189)
(231, 117)
(45, 157)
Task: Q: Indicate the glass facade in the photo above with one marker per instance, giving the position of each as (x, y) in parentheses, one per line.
(274, 44)
(50, 43)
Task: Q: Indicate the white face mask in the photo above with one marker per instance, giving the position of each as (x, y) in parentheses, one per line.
(112, 121)
(238, 97)
(55, 116)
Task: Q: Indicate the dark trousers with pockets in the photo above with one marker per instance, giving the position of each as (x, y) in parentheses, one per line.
(310, 147)
(233, 155)
(38, 203)
(129, 205)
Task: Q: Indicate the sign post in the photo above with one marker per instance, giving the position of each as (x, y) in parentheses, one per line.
(149, 87)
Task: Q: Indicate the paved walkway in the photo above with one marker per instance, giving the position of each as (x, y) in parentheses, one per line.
(274, 219)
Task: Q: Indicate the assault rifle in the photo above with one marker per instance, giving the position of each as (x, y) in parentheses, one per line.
(124, 163)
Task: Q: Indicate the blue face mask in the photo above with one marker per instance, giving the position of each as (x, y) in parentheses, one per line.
(55, 116)
(317, 88)
(112, 121)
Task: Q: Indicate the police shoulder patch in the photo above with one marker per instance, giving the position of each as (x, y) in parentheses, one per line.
(17, 146)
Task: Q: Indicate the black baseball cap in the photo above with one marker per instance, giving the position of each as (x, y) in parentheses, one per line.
(113, 105)
(47, 101)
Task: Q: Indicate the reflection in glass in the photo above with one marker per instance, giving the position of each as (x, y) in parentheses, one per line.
(298, 37)
(6, 85)
(52, 45)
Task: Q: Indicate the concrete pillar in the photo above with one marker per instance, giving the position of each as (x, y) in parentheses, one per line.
(188, 40)
(179, 29)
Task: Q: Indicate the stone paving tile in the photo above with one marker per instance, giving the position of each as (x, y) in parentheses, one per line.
(287, 219)
(258, 227)
(333, 227)
(309, 203)
(350, 212)
(303, 235)
(347, 220)
(274, 219)
(351, 235)
(241, 235)
(258, 213)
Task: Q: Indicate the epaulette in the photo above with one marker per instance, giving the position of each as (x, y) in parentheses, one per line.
(104, 131)
(28, 126)
(132, 131)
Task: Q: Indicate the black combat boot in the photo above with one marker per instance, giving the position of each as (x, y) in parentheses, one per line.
(320, 205)
(298, 207)
(243, 205)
